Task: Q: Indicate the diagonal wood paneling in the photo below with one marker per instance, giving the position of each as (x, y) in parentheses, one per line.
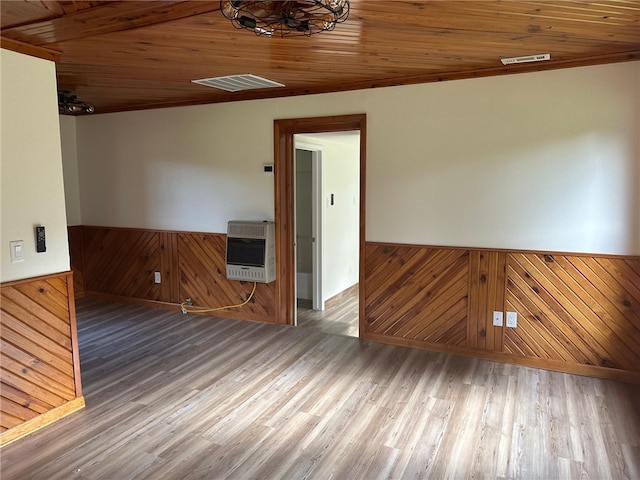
(39, 349)
(417, 293)
(122, 262)
(201, 264)
(576, 313)
(575, 309)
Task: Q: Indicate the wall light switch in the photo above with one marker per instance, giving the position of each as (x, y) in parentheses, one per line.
(156, 277)
(497, 319)
(512, 319)
(17, 251)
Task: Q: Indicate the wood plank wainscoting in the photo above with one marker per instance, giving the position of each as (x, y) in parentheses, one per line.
(119, 263)
(576, 313)
(39, 365)
(77, 265)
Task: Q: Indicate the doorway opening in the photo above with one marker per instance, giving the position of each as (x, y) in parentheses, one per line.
(286, 288)
(327, 199)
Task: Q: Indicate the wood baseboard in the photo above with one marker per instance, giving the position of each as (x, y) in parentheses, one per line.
(133, 301)
(343, 295)
(545, 364)
(41, 421)
(174, 307)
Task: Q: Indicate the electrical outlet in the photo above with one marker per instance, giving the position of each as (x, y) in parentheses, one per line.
(497, 319)
(156, 277)
(512, 319)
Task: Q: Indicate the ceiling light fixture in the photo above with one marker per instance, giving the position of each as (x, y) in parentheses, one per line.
(285, 18)
(68, 104)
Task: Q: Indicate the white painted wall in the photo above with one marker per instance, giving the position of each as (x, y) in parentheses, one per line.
(540, 161)
(68, 141)
(184, 169)
(31, 165)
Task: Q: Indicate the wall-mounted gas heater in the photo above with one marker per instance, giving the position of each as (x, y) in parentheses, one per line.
(251, 252)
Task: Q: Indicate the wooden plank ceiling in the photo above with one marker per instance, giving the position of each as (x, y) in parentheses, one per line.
(128, 55)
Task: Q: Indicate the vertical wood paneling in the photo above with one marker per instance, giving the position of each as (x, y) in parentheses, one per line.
(77, 263)
(496, 294)
(486, 295)
(169, 288)
(39, 364)
(202, 271)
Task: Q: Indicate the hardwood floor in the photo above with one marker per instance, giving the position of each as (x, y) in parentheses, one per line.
(340, 317)
(172, 396)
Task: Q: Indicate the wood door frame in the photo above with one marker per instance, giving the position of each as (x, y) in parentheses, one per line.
(284, 173)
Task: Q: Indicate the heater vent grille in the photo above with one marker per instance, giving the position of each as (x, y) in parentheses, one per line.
(528, 58)
(247, 229)
(237, 83)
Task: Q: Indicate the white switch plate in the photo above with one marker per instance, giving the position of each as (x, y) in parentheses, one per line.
(156, 277)
(497, 319)
(17, 251)
(512, 319)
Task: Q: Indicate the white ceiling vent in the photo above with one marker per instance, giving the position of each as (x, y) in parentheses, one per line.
(236, 83)
(529, 58)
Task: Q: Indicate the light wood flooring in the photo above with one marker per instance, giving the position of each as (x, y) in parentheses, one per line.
(340, 317)
(172, 396)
